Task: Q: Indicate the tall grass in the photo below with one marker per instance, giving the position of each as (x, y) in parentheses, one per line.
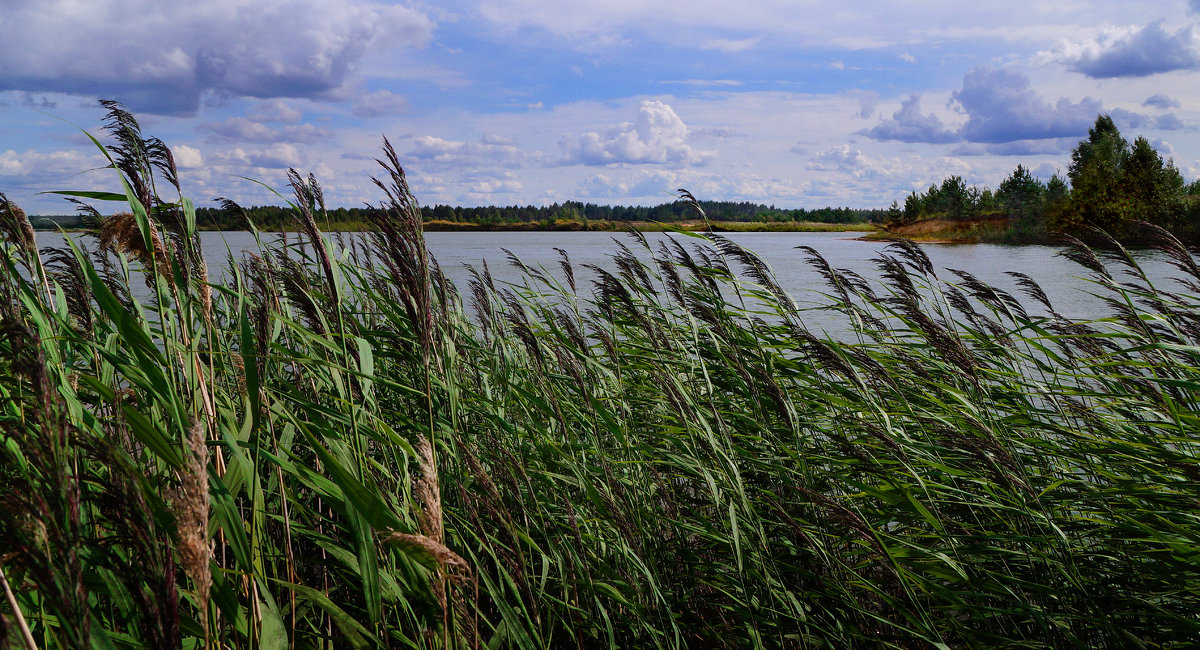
(339, 448)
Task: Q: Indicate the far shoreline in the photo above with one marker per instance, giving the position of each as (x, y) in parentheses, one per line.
(578, 226)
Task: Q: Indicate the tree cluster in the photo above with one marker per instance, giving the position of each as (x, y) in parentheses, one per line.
(1110, 184)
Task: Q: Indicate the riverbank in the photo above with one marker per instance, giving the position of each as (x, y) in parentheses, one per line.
(947, 231)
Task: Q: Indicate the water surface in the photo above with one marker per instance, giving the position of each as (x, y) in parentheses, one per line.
(1063, 281)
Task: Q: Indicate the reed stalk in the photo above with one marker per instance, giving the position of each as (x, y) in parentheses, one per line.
(331, 451)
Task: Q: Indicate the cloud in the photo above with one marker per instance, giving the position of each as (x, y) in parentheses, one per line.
(1001, 107)
(867, 101)
(31, 100)
(1163, 148)
(11, 164)
(496, 140)
(276, 156)
(166, 57)
(1131, 52)
(30, 172)
(1169, 122)
(491, 149)
(719, 132)
(731, 46)
(703, 83)
(1194, 5)
(1046, 170)
(380, 103)
(495, 187)
(909, 125)
(1159, 100)
(590, 25)
(275, 110)
(43, 165)
(839, 158)
(658, 136)
(848, 175)
(1128, 120)
(187, 157)
(240, 129)
(639, 184)
(1052, 147)
(853, 163)
(1049, 147)
(649, 187)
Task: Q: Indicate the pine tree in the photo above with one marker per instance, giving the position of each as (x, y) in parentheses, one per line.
(1095, 173)
(1023, 199)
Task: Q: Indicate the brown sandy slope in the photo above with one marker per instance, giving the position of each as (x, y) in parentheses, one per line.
(946, 231)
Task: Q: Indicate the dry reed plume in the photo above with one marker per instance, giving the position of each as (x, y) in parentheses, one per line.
(655, 454)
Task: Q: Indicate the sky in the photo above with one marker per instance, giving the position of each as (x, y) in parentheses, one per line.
(795, 103)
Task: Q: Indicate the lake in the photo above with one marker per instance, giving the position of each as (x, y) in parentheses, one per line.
(1063, 281)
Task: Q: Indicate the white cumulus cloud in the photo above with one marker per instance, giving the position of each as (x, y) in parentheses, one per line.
(276, 156)
(490, 149)
(658, 136)
(1131, 51)
(187, 157)
(909, 125)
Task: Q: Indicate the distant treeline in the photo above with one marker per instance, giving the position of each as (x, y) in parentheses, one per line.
(1110, 184)
(55, 221)
(272, 217)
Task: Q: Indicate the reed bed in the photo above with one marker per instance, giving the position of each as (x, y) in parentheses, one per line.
(338, 447)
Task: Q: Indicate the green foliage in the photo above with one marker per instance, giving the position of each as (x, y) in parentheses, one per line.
(1095, 172)
(332, 451)
(894, 214)
(1150, 189)
(952, 199)
(275, 218)
(912, 208)
(1113, 187)
(1023, 200)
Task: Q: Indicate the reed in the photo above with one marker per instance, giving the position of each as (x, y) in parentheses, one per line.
(332, 450)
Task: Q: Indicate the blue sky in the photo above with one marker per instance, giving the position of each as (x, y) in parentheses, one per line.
(791, 102)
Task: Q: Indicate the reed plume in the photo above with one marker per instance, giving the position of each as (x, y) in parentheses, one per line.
(16, 228)
(191, 518)
(398, 243)
(120, 233)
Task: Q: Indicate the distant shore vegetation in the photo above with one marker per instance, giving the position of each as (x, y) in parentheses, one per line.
(726, 216)
(1110, 184)
(723, 216)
